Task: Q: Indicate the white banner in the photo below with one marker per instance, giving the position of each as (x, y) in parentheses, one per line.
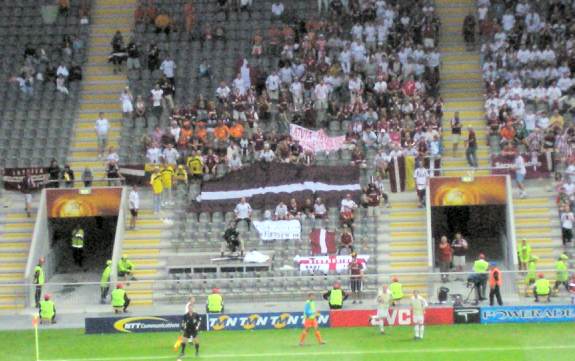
(325, 264)
(269, 230)
(316, 140)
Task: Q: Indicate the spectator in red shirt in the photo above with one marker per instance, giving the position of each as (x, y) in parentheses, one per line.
(444, 255)
(346, 240)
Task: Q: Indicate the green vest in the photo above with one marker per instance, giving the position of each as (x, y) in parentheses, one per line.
(47, 309)
(215, 303)
(336, 297)
(524, 253)
(125, 265)
(78, 239)
(396, 290)
(542, 287)
(480, 266)
(105, 280)
(531, 270)
(118, 297)
(561, 270)
(40, 275)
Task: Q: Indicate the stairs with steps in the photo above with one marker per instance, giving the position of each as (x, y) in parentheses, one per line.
(15, 235)
(537, 221)
(461, 87)
(402, 246)
(101, 88)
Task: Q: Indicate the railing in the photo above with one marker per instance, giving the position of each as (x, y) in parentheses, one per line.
(112, 182)
(86, 297)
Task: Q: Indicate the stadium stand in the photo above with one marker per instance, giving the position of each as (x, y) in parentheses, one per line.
(37, 119)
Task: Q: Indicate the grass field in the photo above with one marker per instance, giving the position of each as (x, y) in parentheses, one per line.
(507, 342)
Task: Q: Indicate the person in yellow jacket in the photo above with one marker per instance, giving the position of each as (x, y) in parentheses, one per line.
(157, 188)
(126, 268)
(120, 300)
(195, 164)
(78, 245)
(480, 268)
(215, 302)
(335, 296)
(531, 273)
(396, 289)
(39, 280)
(167, 181)
(561, 273)
(181, 178)
(523, 254)
(542, 288)
(47, 310)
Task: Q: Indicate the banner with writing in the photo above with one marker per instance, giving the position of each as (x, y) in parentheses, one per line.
(270, 230)
(539, 166)
(326, 264)
(315, 140)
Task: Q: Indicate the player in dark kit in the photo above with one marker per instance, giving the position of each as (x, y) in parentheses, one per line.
(190, 327)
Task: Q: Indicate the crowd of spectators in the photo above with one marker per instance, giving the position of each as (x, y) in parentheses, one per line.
(527, 62)
(371, 67)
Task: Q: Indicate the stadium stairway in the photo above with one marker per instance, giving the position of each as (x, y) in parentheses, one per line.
(461, 86)
(100, 88)
(143, 246)
(15, 235)
(402, 245)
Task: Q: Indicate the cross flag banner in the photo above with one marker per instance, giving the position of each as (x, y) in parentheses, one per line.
(326, 264)
(264, 185)
(322, 241)
(315, 140)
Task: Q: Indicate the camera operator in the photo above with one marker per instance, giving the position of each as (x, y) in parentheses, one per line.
(480, 267)
(232, 241)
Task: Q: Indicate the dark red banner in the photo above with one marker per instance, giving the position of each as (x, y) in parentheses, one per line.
(397, 316)
(538, 167)
(13, 177)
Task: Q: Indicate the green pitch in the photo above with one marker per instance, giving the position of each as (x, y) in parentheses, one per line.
(537, 342)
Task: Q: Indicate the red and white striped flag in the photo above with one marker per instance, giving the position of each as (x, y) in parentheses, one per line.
(322, 241)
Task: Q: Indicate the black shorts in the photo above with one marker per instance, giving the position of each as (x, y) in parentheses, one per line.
(355, 285)
(190, 335)
(134, 212)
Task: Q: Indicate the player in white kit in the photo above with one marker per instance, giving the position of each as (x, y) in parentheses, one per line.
(383, 301)
(418, 306)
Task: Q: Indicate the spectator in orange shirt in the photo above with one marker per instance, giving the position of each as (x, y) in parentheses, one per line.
(201, 133)
(222, 134)
(237, 131)
(186, 133)
(507, 133)
(190, 17)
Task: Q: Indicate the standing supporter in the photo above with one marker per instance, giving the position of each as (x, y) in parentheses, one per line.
(157, 189)
(243, 212)
(134, 205)
(459, 246)
(102, 128)
(445, 253)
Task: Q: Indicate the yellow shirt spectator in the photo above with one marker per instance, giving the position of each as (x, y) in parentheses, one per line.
(156, 182)
(167, 176)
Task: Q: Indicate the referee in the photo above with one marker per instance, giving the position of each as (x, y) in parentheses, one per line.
(190, 326)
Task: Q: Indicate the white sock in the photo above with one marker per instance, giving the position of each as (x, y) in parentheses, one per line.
(421, 327)
(416, 328)
(381, 325)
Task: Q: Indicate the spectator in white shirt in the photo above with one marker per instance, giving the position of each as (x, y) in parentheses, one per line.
(296, 90)
(112, 156)
(520, 171)
(134, 200)
(168, 67)
(567, 220)
(102, 128)
(273, 85)
(278, 8)
(223, 92)
(153, 154)
(243, 212)
(266, 154)
(157, 95)
(281, 212)
(170, 154)
(421, 176)
(62, 71)
(319, 210)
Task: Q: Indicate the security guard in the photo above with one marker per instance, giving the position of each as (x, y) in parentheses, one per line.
(495, 282)
(531, 273)
(396, 289)
(157, 189)
(542, 288)
(335, 296)
(215, 303)
(120, 300)
(562, 273)
(105, 282)
(78, 246)
(196, 166)
(480, 267)
(47, 310)
(167, 182)
(524, 254)
(126, 268)
(39, 279)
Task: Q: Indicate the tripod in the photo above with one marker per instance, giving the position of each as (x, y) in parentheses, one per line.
(472, 289)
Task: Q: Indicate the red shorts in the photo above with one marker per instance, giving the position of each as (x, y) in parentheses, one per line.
(310, 323)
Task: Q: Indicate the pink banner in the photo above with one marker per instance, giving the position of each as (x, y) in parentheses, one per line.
(315, 140)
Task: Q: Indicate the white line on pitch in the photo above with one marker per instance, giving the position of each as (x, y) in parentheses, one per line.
(331, 353)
